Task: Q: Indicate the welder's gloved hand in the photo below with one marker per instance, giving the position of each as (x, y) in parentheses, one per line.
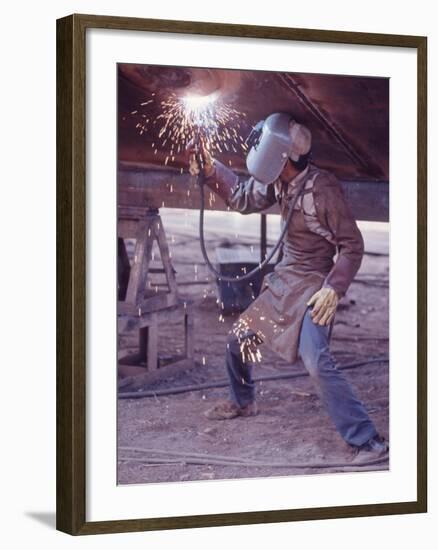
(199, 159)
(324, 303)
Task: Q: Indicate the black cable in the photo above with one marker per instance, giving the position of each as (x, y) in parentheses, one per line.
(246, 276)
(225, 383)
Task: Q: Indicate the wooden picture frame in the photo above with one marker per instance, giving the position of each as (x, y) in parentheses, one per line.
(71, 273)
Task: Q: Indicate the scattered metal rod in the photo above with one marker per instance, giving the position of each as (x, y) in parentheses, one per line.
(184, 461)
(183, 454)
(225, 383)
(155, 461)
(197, 458)
(208, 462)
(346, 467)
(186, 283)
(190, 460)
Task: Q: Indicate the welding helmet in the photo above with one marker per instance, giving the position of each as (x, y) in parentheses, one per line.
(272, 142)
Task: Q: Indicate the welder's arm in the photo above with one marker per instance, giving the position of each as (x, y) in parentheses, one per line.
(245, 197)
(334, 213)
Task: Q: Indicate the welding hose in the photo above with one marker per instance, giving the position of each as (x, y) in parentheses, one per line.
(225, 383)
(265, 262)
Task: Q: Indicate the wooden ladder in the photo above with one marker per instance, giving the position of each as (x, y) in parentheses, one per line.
(135, 297)
(141, 307)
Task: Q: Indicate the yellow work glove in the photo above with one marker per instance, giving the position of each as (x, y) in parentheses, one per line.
(324, 303)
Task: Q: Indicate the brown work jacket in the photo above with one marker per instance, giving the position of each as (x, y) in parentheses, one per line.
(321, 228)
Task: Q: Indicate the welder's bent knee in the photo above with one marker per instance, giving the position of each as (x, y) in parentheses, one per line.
(235, 340)
(312, 364)
(233, 344)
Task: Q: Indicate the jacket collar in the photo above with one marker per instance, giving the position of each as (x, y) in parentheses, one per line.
(289, 188)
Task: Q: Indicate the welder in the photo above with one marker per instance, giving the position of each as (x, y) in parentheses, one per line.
(296, 306)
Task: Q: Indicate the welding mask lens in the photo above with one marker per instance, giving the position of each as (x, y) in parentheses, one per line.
(271, 148)
(255, 135)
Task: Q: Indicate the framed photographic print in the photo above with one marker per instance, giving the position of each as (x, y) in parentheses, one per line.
(241, 287)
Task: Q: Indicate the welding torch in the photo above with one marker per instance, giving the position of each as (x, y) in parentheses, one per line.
(201, 162)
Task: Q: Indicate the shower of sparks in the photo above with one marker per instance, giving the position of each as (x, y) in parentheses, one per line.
(181, 119)
(248, 341)
(175, 121)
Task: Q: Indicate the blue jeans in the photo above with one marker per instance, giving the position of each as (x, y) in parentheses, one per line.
(346, 411)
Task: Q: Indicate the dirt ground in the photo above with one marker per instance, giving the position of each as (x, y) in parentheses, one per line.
(291, 426)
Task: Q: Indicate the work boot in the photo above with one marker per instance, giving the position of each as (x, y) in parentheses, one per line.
(225, 410)
(374, 448)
